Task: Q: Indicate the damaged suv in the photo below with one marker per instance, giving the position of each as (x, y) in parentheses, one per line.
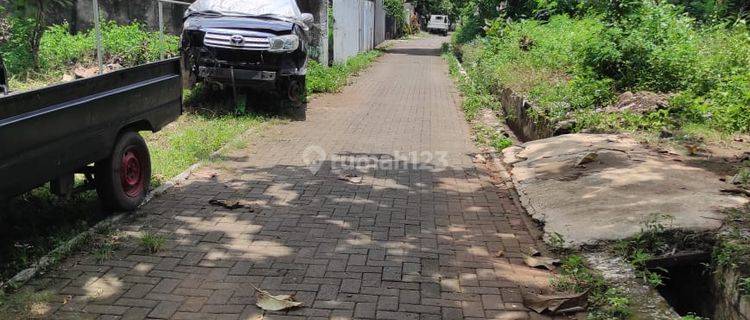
(260, 44)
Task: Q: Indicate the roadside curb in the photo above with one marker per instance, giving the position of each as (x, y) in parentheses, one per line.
(58, 254)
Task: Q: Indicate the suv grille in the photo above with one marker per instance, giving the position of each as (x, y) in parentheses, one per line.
(237, 39)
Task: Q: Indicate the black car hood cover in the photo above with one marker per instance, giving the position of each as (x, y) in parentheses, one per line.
(203, 22)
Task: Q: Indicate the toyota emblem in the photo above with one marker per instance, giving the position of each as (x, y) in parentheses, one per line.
(237, 40)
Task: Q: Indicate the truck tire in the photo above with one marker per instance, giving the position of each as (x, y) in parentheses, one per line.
(123, 179)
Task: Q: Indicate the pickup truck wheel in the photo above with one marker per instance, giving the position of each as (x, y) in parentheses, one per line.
(122, 180)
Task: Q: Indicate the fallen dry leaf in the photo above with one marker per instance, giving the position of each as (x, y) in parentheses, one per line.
(541, 262)
(556, 303)
(479, 159)
(270, 302)
(737, 192)
(533, 252)
(230, 204)
(350, 177)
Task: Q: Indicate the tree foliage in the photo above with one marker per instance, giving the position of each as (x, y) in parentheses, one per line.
(34, 13)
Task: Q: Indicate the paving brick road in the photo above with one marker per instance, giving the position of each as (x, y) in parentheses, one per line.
(415, 231)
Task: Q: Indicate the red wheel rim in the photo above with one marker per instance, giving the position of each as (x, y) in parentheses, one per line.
(131, 174)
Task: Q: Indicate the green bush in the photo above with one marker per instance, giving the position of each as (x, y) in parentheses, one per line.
(16, 52)
(572, 65)
(395, 9)
(59, 48)
(129, 45)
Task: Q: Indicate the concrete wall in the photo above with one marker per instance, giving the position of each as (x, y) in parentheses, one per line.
(730, 303)
(129, 11)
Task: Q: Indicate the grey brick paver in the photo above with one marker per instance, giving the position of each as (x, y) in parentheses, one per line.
(417, 238)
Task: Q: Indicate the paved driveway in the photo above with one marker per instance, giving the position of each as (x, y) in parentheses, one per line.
(371, 208)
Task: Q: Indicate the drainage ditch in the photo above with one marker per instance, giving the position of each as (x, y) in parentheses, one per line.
(691, 285)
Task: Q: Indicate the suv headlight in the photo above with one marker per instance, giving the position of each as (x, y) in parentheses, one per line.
(283, 43)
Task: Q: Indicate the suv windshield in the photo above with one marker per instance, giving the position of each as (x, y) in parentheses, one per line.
(287, 9)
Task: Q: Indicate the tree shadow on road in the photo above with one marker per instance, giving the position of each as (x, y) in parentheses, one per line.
(441, 238)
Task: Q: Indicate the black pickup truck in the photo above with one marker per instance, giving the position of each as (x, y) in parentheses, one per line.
(88, 126)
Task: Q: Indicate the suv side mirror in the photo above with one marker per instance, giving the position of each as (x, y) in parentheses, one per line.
(308, 18)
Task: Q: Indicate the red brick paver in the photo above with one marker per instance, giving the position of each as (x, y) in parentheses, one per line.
(424, 236)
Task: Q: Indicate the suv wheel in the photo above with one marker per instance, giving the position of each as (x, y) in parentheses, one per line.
(295, 90)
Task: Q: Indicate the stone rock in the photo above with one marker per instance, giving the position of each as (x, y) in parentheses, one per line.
(665, 133)
(82, 72)
(612, 197)
(588, 158)
(564, 127)
(640, 102)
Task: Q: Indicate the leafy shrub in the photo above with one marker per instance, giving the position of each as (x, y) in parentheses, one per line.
(16, 51)
(395, 9)
(59, 48)
(572, 65)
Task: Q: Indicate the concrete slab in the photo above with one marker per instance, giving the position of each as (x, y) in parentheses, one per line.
(621, 185)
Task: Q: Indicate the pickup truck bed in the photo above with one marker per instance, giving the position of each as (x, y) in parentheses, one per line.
(56, 131)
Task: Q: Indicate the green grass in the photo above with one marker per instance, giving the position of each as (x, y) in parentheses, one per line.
(321, 79)
(33, 224)
(129, 45)
(192, 139)
(152, 242)
(26, 304)
(475, 100)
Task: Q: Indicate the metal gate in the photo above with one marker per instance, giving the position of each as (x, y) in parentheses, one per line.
(354, 27)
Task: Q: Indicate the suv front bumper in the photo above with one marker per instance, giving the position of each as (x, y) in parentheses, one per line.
(228, 75)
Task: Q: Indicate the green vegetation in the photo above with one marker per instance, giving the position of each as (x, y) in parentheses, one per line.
(476, 100)
(581, 58)
(27, 304)
(106, 241)
(193, 138)
(644, 246)
(605, 302)
(59, 50)
(152, 242)
(35, 223)
(128, 45)
(733, 248)
(321, 79)
(395, 9)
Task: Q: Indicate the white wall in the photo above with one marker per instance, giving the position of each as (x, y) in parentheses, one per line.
(355, 28)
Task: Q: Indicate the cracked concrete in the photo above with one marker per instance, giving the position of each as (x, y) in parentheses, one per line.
(611, 197)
